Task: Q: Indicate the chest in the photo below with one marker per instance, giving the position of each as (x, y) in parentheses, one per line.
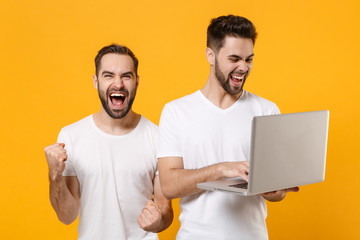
(104, 159)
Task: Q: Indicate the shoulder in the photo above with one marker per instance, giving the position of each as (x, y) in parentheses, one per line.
(266, 106)
(78, 126)
(182, 104)
(253, 97)
(186, 100)
(148, 130)
(149, 125)
(71, 133)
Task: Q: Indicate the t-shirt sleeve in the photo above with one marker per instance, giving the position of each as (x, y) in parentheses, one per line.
(275, 110)
(65, 138)
(169, 134)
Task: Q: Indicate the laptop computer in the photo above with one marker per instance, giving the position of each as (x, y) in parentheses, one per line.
(287, 150)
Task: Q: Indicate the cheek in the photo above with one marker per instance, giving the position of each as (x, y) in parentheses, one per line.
(231, 69)
(225, 69)
(130, 85)
(103, 87)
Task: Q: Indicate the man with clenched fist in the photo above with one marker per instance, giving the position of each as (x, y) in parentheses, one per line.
(104, 166)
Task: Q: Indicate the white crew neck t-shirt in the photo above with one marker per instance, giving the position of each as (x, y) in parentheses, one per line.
(115, 175)
(202, 134)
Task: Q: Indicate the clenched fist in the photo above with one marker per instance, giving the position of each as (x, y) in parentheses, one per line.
(150, 217)
(56, 157)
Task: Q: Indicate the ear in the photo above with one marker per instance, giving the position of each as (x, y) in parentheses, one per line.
(137, 81)
(210, 55)
(95, 80)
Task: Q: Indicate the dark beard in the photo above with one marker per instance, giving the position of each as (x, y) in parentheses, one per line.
(225, 83)
(116, 114)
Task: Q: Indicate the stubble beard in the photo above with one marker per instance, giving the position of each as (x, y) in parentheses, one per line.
(225, 82)
(120, 113)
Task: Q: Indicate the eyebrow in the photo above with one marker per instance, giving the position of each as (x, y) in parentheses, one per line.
(236, 56)
(125, 73)
(107, 72)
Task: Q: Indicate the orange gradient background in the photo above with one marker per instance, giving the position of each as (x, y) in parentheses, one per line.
(306, 58)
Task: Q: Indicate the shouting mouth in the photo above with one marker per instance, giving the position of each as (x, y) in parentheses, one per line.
(117, 100)
(237, 79)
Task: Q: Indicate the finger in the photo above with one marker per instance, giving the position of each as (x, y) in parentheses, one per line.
(59, 154)
(62, 144)
(243, 172)
(54, 148)
(150, 203)
(294, 189)
(139, 221)
(152, 207)
(64, 157)
(144, 220)
(245, 176)
(151, 214)
(155, 214)
(245, 166)
(246, 163)
(50, 147)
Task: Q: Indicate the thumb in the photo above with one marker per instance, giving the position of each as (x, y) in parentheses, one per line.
(62, 144)
(150, 203)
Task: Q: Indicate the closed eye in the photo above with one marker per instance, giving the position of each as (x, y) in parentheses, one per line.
(107, 74)
(127, 77)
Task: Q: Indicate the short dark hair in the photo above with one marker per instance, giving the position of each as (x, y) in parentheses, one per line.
(115, 48)
(233, 26)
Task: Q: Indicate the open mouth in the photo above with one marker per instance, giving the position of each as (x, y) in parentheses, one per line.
(117, 100)
(237, 79)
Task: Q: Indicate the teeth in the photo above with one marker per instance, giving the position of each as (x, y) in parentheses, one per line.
(240, 78)
(117, 95)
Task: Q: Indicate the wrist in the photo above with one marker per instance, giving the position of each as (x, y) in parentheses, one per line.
(55, 176)
(218, 171)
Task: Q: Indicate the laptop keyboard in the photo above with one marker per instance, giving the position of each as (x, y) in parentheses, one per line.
(240, 185)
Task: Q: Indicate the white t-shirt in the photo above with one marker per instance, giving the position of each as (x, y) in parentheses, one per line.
(115, 175)
(202, 134)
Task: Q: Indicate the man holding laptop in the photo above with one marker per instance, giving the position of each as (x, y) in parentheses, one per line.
(205, 136)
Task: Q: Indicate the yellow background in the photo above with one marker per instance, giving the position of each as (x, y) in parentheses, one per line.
(306, 58)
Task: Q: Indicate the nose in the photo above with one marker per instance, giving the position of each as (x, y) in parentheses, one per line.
(118, 82)
(243, 66)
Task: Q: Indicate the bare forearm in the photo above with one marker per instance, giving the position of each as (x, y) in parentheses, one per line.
(63, 202)
(177, 183)
(166, 219)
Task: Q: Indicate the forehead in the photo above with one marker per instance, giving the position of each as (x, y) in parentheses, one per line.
(115, 62)
(242, 47)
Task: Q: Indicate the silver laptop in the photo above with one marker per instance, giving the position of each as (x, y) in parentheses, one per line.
(287, 150)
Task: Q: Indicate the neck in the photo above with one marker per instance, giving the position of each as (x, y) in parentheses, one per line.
(216, 94)
(113, 126)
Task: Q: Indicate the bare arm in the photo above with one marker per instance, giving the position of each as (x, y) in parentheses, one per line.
(178, 182)
(158, 214)
(164, 205)
(64, 191)
(65, 198)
